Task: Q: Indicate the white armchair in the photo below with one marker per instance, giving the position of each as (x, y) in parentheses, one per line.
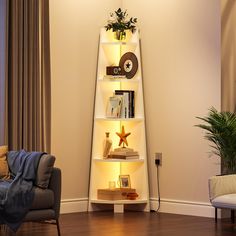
(222, 192)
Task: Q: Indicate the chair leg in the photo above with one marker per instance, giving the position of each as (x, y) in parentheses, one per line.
(232, 216)
(58, 228)
(215, 215)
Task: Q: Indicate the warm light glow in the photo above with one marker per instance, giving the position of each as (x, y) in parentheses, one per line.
(113, 53)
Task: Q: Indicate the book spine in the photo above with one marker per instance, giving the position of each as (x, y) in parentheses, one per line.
(130, 105)
(127, 108)
(133, 104)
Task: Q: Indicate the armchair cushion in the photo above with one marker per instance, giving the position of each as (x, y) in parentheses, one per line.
(225, 201)
(44, 172)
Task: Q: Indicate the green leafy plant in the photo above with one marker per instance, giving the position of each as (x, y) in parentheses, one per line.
(220, 130)
(119, 22)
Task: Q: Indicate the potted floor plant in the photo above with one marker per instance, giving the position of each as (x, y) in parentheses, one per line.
(220, 130)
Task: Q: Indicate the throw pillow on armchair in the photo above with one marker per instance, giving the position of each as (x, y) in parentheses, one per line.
(4, 170)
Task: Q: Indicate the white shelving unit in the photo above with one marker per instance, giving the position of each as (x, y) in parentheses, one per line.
(105, 170)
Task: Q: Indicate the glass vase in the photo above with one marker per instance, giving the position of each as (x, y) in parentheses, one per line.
(120, 35)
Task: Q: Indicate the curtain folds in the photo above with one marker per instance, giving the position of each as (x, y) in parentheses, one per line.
(3, 68)
(28, 79)
(228, 56)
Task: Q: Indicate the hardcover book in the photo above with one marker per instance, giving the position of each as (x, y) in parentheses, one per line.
(124, 153)
(123, 157)
(114, 107)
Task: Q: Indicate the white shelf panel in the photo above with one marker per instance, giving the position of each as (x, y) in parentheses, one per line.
(114, 50)
(118, 119)
(137, 201)
(121, 80)
(134, 44)
(118, 160)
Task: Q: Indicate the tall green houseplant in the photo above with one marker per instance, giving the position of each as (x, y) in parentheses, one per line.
(220, 130)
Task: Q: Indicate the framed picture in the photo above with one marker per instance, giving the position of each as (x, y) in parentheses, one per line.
(124, 181)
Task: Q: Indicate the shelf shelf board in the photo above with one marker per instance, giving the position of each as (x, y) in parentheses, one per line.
(141, 201)
(117, 160)
(118, 79)
(119, 43)
(118, 119)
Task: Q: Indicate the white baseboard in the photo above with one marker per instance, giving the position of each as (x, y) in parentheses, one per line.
(167, 206)
(74, 205)
(183, 207)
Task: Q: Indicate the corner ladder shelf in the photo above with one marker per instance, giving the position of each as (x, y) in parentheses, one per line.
(105, 170)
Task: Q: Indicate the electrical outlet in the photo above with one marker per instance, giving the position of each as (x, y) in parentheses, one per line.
(158, 158)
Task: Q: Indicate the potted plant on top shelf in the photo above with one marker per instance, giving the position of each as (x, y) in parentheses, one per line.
(220, 130)
(119, 24)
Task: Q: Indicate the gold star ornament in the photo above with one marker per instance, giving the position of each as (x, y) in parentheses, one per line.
(123, 137)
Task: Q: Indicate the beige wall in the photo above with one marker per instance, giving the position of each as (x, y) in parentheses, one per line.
(181, 67)
(75, 29)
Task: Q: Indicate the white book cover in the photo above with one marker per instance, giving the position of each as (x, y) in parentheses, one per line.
(125, 106)
(114, 107)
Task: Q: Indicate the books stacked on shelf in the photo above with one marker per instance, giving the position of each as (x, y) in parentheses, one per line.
(121, 104)
(123, 153)
(127, 110)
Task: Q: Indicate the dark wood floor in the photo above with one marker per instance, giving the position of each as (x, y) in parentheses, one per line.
(129, 224)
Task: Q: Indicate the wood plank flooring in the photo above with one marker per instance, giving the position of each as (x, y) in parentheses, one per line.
(129, 224)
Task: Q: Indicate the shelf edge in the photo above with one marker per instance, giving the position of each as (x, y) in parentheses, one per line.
(138, 201)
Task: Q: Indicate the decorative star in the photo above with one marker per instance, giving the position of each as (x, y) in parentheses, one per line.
(123, 136)
(128, 65)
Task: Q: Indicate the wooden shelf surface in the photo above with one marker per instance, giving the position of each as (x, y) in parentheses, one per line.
(137, 201)
(118, 119)
(118, 160)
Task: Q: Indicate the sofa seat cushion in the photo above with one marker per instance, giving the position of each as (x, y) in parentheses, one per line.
(225, 201)
(43, 199)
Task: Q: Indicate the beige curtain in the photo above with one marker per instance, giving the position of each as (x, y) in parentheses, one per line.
(3, 67)
(228, 55)
(28, 79)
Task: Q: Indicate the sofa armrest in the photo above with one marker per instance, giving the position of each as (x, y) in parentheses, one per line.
(221, 185)
(55, 186)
